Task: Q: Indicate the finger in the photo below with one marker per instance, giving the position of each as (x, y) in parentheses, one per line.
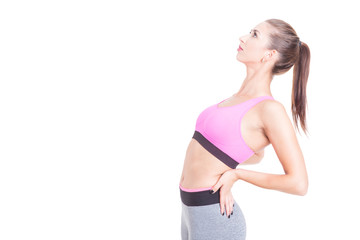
(228, 207)
(216, 187)
(222, 206)
(231, 205)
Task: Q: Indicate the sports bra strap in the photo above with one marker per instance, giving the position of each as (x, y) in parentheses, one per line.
(252, 102)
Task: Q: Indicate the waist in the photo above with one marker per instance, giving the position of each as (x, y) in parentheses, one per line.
(198, 197)
(201, 169)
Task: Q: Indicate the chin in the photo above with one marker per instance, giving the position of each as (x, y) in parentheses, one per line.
(239, 59)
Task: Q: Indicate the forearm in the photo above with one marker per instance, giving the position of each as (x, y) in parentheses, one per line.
(281, 182)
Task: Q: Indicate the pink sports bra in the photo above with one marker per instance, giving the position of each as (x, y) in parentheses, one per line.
(218, 131)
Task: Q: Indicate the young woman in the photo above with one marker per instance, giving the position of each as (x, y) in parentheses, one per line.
(236, 131)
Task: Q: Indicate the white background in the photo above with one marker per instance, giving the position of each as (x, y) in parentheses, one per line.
(98, 102)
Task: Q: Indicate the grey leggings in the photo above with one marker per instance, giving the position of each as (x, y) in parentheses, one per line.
(202, 220)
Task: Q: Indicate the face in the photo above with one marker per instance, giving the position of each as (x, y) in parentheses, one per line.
(253, 46)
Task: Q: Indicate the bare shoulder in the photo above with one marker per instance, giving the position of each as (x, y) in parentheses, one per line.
(274, 117)
(273, 106)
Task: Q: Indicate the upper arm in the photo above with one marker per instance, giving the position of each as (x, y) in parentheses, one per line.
(281, 134)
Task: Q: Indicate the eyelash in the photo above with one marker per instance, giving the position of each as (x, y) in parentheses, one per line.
(254, 35)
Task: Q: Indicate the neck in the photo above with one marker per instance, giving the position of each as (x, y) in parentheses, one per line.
(256, 83)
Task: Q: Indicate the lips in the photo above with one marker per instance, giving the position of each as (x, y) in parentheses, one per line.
(239, 48)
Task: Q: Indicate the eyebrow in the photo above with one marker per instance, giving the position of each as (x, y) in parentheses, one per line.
(257, 31)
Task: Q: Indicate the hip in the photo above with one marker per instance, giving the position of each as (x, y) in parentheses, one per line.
(201, 217)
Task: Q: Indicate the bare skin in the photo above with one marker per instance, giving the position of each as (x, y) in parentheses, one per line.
(264, 124)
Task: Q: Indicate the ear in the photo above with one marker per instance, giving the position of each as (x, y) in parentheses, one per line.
(270, 55)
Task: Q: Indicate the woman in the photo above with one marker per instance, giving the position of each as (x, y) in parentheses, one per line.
(220, 142)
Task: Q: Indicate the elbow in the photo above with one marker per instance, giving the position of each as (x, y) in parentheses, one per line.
(301, 188)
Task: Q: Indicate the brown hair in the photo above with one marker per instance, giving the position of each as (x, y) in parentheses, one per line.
(295, 53)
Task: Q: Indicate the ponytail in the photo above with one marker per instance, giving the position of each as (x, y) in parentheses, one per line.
(300, 78)
(295, 53)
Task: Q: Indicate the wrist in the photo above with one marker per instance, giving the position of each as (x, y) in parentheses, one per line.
(234, 175)
(237, 173)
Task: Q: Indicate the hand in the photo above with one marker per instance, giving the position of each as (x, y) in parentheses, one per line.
(226, 182)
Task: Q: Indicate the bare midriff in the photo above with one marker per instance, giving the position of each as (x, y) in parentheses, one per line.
(201, 169)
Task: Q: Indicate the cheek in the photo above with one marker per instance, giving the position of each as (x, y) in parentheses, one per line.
(256, 50)
(253, 53)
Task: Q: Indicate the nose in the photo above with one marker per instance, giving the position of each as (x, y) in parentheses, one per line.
(244, 38)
